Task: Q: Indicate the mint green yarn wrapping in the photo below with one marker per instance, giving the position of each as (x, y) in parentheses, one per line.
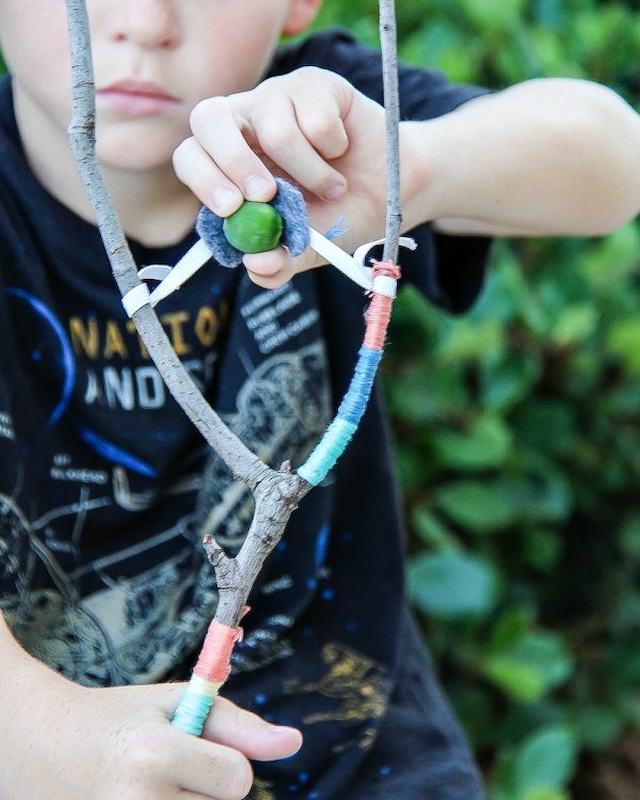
(192, 712)
(328, 451)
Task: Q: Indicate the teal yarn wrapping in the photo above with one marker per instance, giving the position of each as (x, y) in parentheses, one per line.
(338, 435)
(327, 451)
(192, 712)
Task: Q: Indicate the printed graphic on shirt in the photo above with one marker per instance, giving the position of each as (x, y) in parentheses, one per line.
(282, 411)
(110, 348)
(357, 687)
(6, 427)
(261, 790)
(133, 614)
(277, 317)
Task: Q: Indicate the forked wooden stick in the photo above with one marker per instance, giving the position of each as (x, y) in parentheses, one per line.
(276, 492)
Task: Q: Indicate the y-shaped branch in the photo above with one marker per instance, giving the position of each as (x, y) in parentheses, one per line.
(276, 493)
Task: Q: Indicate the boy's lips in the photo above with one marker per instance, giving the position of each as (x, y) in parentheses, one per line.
(136, 98)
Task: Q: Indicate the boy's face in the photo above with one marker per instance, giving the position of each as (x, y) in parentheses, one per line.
(153, 60)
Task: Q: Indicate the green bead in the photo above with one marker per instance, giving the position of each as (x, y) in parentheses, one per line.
(254, 227)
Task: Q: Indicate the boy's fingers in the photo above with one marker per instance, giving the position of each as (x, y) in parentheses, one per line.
(270, 269)
(283, 136)
(212, 770)
(295, 134)
(219, 125)
(273, 269)
(321, 106)
(236, 728)
(194, 167)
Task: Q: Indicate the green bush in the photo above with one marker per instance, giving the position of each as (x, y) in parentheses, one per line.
(518, 435)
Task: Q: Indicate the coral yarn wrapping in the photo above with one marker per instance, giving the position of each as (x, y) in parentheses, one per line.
(379, 311)
(214, 662)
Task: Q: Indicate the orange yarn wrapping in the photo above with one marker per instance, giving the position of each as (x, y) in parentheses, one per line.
(214, 662)
(378, 314)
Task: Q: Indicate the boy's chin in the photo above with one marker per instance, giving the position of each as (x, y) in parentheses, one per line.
(135, 153)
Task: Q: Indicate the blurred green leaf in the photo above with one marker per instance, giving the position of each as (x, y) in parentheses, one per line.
(481, 507)
(419, 396)
(547, 425)
(432, 531)
(510, 628)
(509, 381)
(529, 667)
(452, 585)
(542, 548)
(467, 341)
(542, 793)
(486, 507)
(598, 725)
(493, 15)
(613, 259)
(545, 763)
(622, 342)
(575, 323)
(485, 443)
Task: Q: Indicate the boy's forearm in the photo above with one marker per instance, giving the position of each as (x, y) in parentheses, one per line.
(545, 157)
(19, 674)
(23, 682)
(12, 654)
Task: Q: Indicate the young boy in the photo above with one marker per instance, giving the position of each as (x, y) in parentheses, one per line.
(106, 490)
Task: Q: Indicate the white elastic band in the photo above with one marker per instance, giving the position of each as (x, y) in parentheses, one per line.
(154, 272)
(361, 252)
(339, 258)
(353, 266)
(172, 278)
(135, 298)
(196, 257)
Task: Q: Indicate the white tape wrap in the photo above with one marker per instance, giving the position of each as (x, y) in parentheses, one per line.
(135, 298)
(385, 285)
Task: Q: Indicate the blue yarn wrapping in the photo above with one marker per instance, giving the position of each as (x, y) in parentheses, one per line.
(355, 401)
(290, 204)
(192, 712)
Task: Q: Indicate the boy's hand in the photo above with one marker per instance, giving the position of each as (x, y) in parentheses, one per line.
(310, 127)
(61, 741)
(545, 157)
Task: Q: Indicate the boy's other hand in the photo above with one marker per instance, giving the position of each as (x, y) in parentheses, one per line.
(61, 741)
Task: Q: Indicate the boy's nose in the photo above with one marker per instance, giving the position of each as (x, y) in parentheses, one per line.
(146, 23)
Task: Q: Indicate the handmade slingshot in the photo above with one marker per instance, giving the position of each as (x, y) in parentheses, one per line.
(380, 282)
(276, 492)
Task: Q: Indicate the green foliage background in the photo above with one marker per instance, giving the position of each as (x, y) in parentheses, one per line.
(518, 438)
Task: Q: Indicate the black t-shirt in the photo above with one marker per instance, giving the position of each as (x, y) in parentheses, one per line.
(106, 489)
